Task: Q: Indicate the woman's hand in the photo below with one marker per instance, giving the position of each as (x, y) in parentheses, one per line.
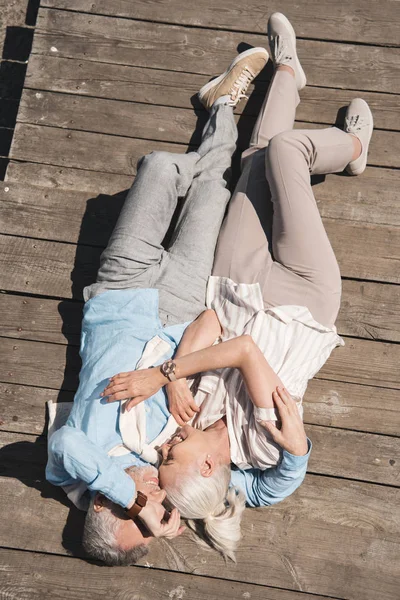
(182, 405)
(291, 435)
(136, 385)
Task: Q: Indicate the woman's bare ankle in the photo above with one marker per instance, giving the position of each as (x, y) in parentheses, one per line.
(285, 68)
(357, 147)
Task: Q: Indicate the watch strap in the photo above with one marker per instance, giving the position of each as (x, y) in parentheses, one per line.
(140, 502)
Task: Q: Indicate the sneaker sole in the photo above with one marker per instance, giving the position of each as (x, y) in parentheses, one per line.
(214, 82)
(360, 169)
(302, 76)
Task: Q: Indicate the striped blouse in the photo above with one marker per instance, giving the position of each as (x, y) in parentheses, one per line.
(294, 344)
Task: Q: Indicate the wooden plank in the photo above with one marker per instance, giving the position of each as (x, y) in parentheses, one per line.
(23, 407)
(332, 398)
(351, 198)
(369, 310)
(326, 403)
(329, 538)
(59, 215)
(77, 180)
(338, 197)
(358, 21)
(364, 456)
(164, 123)
(44, 267)
(155, 86)
(83, 217)
(118, 41)
(71, 579)
(81, 150)
(40, 319)
(42, 364)
(366, 362)
(350, 406)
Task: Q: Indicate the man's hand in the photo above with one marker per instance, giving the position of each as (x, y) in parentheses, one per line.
(152, 516)
(291, 436)
(182, 405)
(136, 385)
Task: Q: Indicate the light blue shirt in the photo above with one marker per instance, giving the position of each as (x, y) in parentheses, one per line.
(116, 326)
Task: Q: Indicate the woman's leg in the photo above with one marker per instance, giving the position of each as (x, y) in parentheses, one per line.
(187, 264)
(134, 251)
(243, 245)
(305, 270)
(278, 111)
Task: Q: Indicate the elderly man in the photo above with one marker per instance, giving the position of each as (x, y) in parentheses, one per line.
(145, 296)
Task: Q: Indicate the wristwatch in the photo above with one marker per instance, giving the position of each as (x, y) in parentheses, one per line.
(168, 369)
(140, 502)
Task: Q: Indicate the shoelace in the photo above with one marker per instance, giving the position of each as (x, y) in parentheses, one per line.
(238, 89)
(355, 123)
(281, 50)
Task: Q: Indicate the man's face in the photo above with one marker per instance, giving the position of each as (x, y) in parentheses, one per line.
(146, 480)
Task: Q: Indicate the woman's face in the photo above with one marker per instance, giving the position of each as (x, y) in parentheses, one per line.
(181, 453)
(190, 449)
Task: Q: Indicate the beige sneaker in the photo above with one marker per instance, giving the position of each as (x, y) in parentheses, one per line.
(236, 79)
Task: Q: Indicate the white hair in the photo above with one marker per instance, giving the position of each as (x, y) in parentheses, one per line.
(210, 500)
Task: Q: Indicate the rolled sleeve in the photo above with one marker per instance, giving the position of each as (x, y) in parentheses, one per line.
(73, 457)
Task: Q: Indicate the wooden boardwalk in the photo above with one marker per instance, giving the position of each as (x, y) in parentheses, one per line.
(107, 82)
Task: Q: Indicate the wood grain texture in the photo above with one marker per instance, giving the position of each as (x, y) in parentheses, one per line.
(40, 319)
(53, 366)
(73, 216)
(112, 40)
(358, 21)
(164, 123)
(23, 407)
(352, 406)
(77, 180)
(326, 538)
(179, 90)
(72, 579)
(359, 361)
(81, 150)
(327, 403)
(59, 269)
(338, 197)
(369, 310)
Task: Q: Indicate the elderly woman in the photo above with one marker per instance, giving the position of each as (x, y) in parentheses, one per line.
(275, 326)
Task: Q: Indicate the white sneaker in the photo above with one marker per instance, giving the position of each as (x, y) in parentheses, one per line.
(282, 43)
(359, 122)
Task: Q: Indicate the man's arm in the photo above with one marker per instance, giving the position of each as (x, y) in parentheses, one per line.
(200, 334)
(73, 457)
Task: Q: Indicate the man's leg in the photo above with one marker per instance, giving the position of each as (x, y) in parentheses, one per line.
(134, 252)
(187, 264)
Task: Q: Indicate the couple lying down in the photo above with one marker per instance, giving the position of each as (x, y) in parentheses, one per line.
(227, 357)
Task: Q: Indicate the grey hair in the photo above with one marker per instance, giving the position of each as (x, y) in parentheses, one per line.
(210, 500)
(99, 538)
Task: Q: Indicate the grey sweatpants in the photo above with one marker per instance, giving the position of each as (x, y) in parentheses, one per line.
(273, 233)
(135, 257)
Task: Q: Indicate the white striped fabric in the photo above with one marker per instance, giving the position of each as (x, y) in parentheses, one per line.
(295, 346)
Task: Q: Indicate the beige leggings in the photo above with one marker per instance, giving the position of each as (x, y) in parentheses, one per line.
(273, 233)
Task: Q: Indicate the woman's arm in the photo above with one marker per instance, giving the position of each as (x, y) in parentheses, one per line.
(241, 353)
